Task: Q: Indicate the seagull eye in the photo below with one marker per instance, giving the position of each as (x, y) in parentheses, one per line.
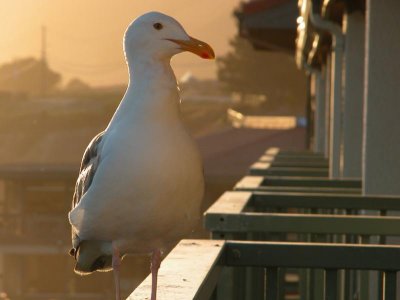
(158, 26)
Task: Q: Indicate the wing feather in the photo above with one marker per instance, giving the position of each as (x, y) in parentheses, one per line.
(90, 162)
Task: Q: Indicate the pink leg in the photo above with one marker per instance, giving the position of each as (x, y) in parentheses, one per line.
(155, 265)
(116, 263)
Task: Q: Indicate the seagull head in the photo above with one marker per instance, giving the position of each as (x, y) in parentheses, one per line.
(158, 36)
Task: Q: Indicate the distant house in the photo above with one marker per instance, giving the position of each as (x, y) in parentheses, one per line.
(28, 76)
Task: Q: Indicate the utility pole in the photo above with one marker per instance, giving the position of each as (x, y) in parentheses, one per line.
(43, 62)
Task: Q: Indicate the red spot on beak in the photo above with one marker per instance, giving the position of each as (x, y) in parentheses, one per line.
(195, 46)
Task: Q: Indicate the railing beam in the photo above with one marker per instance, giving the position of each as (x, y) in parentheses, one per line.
(315, 255)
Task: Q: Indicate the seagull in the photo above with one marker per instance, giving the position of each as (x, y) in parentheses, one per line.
(141, 181)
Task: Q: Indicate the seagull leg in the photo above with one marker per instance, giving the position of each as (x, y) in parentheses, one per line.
(155, 265)
(116, 263)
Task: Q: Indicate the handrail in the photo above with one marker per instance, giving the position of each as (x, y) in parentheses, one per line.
(241, 212)
(191, 270)
(256, 182)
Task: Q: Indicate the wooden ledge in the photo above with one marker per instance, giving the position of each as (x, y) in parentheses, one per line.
(190, 271)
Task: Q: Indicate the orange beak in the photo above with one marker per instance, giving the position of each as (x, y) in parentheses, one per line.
(196, 46)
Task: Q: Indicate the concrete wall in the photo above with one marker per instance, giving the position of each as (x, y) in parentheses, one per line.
(336, 126)
(327, 72)
(320, 132)
(353, 86)
(381, 148)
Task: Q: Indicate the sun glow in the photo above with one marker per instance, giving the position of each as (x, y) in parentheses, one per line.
(84, 38)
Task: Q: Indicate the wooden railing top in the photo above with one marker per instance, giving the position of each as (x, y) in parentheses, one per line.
(257, 182)
(262, 199)
(190, 271)
(279, 152)
(232, 213)
(231, 202)
(301, 162)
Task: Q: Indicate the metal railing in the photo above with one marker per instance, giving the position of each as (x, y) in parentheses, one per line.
(294, 212)
(181, 280)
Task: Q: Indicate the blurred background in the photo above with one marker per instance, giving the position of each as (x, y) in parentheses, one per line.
(62, 75)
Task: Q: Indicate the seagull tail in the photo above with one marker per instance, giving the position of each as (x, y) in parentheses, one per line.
(90, 256)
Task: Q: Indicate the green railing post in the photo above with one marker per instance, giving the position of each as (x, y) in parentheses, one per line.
(255, 277)
(232, 282)
(364, 276)
(390, 285)
(331, 285)
(225, 285)
(272, 290)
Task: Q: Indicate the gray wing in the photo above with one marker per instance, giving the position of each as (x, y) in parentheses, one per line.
(90, 162)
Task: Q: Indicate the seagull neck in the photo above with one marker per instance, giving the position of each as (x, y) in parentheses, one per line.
(150, 69)
(153, 82)
(152, 90)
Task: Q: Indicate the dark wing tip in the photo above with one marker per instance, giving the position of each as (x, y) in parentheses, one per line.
(72, 252)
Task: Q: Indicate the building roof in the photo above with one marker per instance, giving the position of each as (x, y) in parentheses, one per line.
(261, 5)
(269, 24)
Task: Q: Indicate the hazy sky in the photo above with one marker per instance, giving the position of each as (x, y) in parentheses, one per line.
(84, 37)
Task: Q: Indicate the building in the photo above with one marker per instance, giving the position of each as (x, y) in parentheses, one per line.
(349, 49)
(269, 25)
(42, 144)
